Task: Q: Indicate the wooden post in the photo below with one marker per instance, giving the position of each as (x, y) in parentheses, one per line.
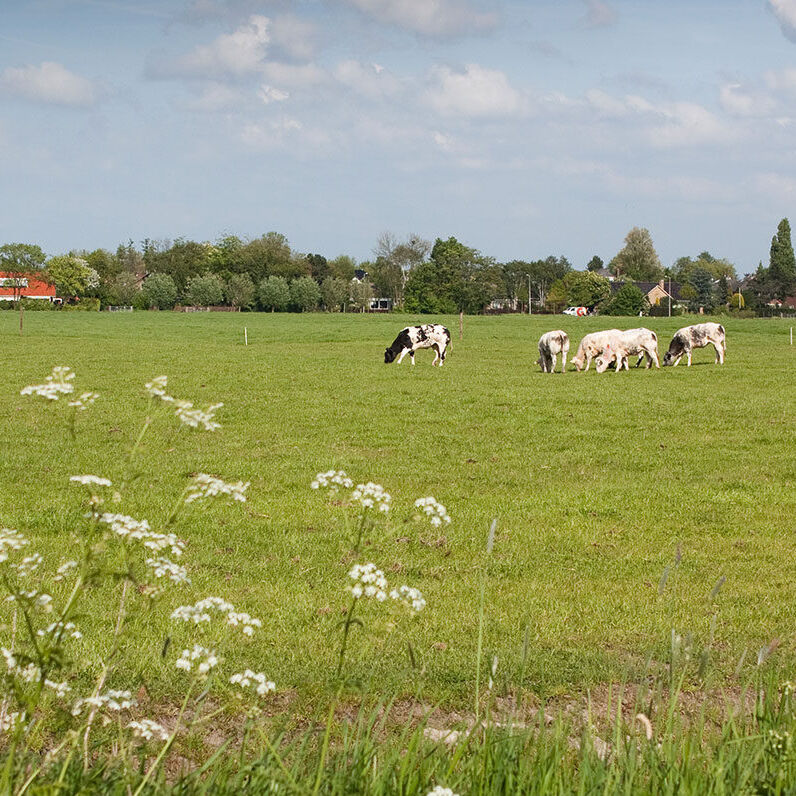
(245, 336)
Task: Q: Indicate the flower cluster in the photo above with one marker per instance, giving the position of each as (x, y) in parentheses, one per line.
(55, 385)
(440, 791)
(61, 629)
(205, 485)
(162, 567)
(200, 612)
(368, 582)
(129, 528)
(64, 570)
(10, 540)
(114, 701)
(90, 480)
(204, 659)
(184, 410)
(437, 513)
(372, 495)
(9, 721)
(410, 596)
(34, 598)
(84, 401)
(255, 680)
(148, 729)
(332, 480)
(28, 565)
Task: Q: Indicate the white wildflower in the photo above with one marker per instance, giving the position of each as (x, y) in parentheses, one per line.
(244, 621)
(90, 480)
(44, 602)
(434, 510)
(410, 597)
(28, 565)
(129, 528)
(10, 540)
(200, 612)
(84, 401)
(255, 680)
(194, 418)
(55, 384)
(30, 674)
(162, 567)
(205, 485)
(61, 689)
(62, 630)
(8, 722)
(203, 658)
(115, 701)
(64, 570)
(369, 582)
(11, 661)
(332, 480)
(148, 729)
(157, 387)
(372, 495)
(440, 791)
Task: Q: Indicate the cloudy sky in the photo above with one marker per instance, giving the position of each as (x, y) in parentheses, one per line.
(522, 127)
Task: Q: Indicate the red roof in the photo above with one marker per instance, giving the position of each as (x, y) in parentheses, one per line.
(33, 287)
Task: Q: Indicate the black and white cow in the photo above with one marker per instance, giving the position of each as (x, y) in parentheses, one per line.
(410, 339)
(640, 342)
(551, 344)
(697, 336)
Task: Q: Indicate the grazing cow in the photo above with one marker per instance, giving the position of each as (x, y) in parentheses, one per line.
(592, 345)
(639, 342)
(697, 336)
(429, 335)
(551, 344)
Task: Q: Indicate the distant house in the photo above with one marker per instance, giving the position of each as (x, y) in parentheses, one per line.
(360, 275)
(655, 292)
(30, 287)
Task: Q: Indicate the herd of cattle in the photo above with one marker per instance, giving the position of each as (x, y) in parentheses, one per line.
(606, 347)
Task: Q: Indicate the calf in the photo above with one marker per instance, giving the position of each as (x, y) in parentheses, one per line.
(551, 344)
(639, 342)
(592, 345)
(410, 339)
(697, 336)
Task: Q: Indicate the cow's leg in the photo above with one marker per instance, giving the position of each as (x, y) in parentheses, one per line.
(436, 354)
(588, 362)
(442, 350)
(403, 353)
(654, 358)
(563, 361)
(719, 353)
(412, 357)
(688, 354)
(677, 361)
(640, 357)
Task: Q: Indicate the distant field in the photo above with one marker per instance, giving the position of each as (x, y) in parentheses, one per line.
(595, 481)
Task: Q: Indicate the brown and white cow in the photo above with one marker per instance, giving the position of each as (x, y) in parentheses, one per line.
(697, 336)
(639, 342)
(551, 344)
(592, 346)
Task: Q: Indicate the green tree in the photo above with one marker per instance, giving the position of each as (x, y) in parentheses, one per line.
(334, 293)
(206, 290)
(702, 281)
(343, 267)
(318, 267)
(273, 293)
(629, 300)
(122, 289)
(782, 263)
(71, 275)
(580, 288)
(182, 260)
(240, 291)
(270, 255)
(595, 264)
(304, 294)
(638, 259)
(159, 290)
(424, 293)
(19, 261)
(360, 294)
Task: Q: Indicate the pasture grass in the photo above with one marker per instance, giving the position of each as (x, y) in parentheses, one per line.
(596, 482)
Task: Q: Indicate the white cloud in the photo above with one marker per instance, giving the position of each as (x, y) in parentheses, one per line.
(689, 124)
(230, 55)
(270, 94)
(369, 80)
(49, 82)
(599, 14)
(294, 37)
(216, 97)
(738, 100)
(295, 76)
(286, 132)
(776, 186)
(428, 17)
(785, 12)
(475, 92)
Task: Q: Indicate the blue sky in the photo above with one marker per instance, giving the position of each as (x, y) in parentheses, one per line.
(522, 128)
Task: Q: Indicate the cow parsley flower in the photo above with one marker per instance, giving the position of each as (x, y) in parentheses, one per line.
(64, 570)
(10, 540)
(410, 597)
(111, 700)
(28, 565)
(372, 495)
(9, 722)
(67, 630)
(162, 567)
(147, 729)
(200, 612)
(438, 790)
(205, 485)
(194, 418)
(84, 401)
(332, 480)
(55, 385)
(129, 528)
(201, 657)
(157, 387)
(368, 582)
(255, 680)
(435, 511)
(61, 689)
(90, 480)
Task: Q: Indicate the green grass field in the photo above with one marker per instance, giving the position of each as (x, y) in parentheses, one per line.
(595, 481)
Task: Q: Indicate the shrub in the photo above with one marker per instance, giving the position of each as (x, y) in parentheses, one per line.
(240, 291)
(334, 292)
(274, 294)
(629, 300)
(34, 305)
(205, 290)
(304, 294)
(83, 305)
(159, 291)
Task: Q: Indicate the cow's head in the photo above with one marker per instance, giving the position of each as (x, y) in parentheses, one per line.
(389, 356)
(601, 363)
(676, 348)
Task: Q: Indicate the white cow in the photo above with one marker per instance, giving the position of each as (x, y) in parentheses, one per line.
(592, 346)
(697, 336)
(639, 342)
(551, 344)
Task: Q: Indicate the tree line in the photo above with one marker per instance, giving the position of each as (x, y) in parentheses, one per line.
(265, 273)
